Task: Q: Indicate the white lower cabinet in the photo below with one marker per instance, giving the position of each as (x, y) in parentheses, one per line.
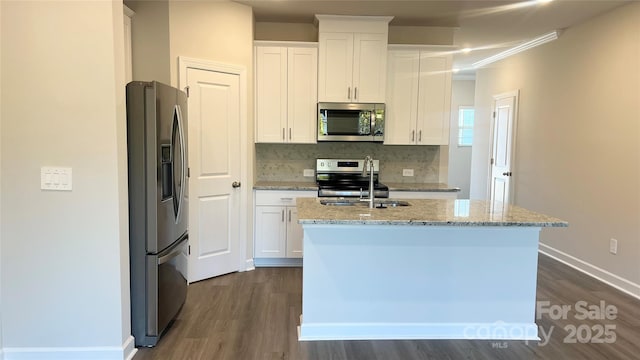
(277, 234)
(423, 195)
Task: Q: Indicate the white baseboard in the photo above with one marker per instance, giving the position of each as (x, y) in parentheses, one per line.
(597, 273)
(249, 265)
(124, 352)
(129, 348)
(418, 331)
(278, 262)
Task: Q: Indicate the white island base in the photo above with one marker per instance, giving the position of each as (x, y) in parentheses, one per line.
(419, 282)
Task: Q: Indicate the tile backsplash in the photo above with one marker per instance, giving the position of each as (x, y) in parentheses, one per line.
(286, 162)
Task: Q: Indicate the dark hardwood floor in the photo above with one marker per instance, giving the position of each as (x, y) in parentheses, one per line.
(254, 314)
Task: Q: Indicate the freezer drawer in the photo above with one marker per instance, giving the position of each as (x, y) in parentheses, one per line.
(166, 291)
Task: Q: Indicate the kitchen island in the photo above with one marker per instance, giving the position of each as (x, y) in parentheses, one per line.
(436, 269)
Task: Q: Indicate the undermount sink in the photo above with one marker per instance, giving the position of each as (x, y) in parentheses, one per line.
(378, 203)
(390, 203)
(342, 202)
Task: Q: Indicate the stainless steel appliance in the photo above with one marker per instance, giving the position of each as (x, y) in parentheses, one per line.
(350, 122)
(157, 155)
(344, 178)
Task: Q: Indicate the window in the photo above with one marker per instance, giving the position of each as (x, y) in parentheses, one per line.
(466, 115)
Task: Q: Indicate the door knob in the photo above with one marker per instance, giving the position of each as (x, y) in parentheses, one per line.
(508, 173)
(235, 184)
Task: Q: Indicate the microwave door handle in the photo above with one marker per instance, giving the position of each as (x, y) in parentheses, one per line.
(372, 131)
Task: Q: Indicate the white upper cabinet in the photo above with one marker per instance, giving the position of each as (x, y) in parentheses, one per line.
(418, 97)
(352, 58)
(302, 106)
(286, 93)
(335, 67)
(401, 109)
(271, 94)
(369, 67)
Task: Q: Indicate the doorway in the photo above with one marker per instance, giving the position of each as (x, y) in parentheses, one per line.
(501, 162)
(217, 131)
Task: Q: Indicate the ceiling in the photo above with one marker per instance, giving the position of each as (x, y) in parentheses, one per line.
(493, 26)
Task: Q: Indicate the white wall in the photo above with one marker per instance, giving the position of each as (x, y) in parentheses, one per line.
(578, 140)
(286, 31)
(219, 31)
(1, 352)
(64, 255)
(462, 94)
(150, 40)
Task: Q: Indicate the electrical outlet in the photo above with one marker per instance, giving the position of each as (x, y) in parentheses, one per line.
(613, 246)
(308, 173)
(407, 172)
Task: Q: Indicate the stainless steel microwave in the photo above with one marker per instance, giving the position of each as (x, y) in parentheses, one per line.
(350, 122)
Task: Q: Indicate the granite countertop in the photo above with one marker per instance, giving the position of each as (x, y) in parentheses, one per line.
(285, 185)
(424, 212)
(306, 185)
(434, 187)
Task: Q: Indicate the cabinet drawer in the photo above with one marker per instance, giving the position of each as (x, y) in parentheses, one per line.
(277, 197)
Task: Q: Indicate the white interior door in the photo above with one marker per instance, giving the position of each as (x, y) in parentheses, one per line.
(215, 164)
(502, 147)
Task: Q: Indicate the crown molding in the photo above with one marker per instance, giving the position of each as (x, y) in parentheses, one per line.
(518, 49)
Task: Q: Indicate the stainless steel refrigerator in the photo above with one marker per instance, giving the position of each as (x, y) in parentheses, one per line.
(158, 234)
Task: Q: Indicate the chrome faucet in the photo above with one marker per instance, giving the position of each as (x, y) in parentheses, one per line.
(368, 161)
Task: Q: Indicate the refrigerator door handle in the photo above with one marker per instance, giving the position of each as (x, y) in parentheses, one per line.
(183, 172)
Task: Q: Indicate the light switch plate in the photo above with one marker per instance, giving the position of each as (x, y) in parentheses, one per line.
(308, 173)
(407, 172)
(55, 178)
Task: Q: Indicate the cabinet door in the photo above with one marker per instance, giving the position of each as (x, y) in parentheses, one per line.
(369, 67)
(271, 94)
(302, 95)
(294, 234)
(402, 97)
(434, 100)
(335, 67)
(270, 232)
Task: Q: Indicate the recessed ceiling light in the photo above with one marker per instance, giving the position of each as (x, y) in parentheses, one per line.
(466, 50)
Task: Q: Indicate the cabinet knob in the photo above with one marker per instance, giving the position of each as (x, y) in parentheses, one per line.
(235, 184)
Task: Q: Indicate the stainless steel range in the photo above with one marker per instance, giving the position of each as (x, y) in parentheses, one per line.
(345, 178)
